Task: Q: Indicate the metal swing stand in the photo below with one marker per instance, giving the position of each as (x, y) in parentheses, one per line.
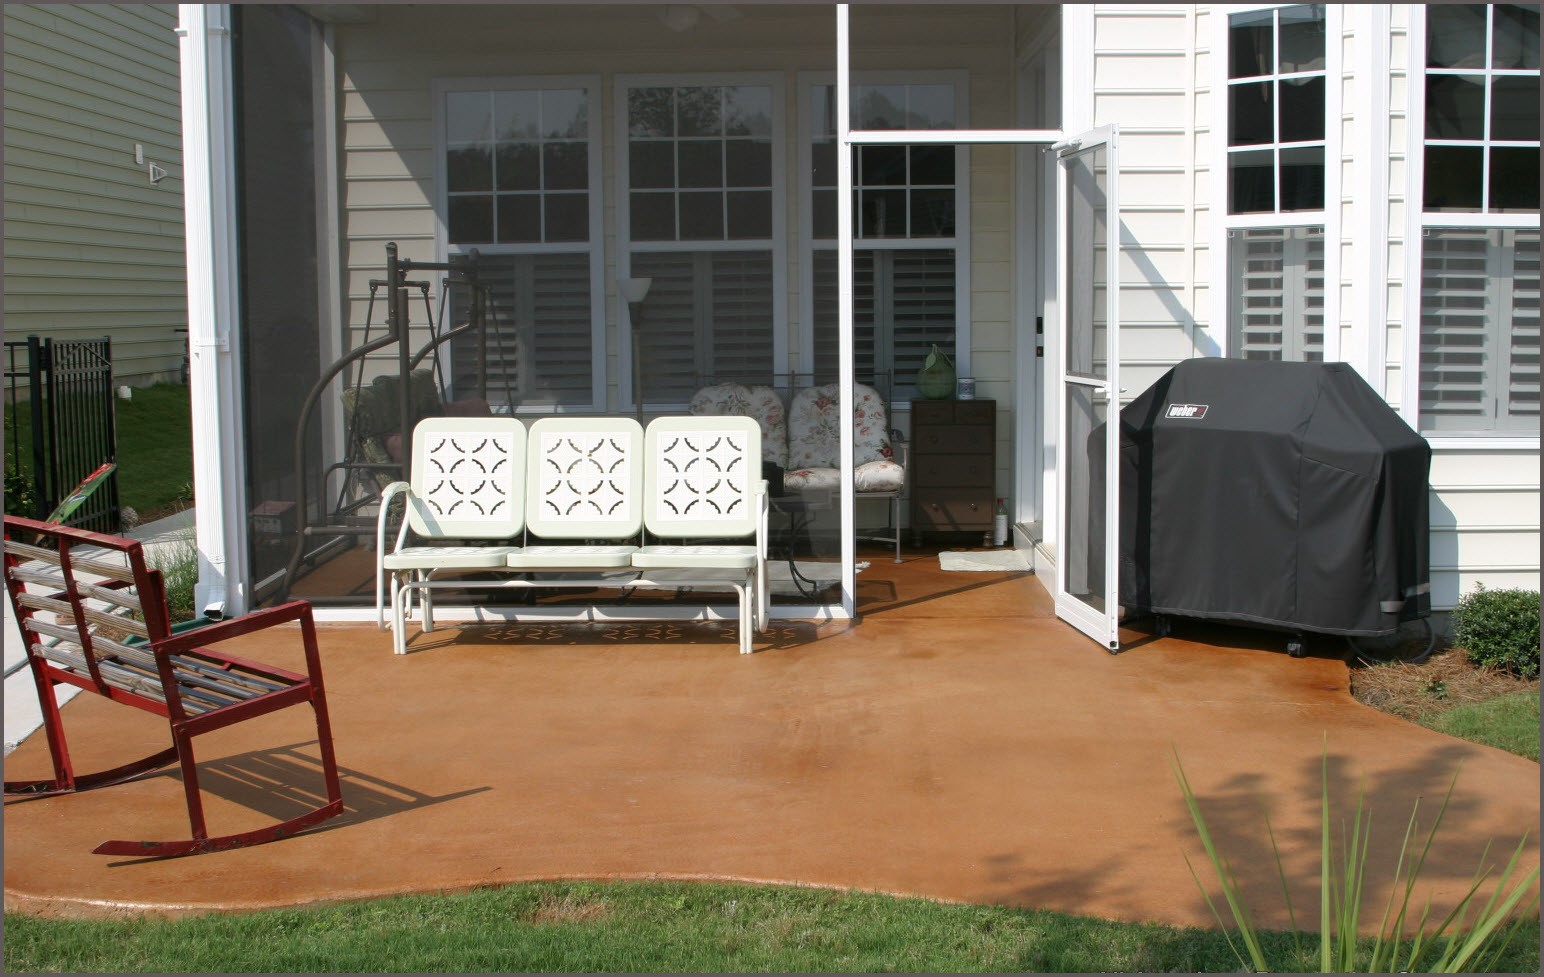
(348, 519)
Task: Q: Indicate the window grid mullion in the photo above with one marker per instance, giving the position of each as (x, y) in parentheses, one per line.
(1490, 60)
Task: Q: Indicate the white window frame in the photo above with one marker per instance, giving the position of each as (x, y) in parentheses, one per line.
(1416, 222)
(776, 245)
(1329, 219)
(594, 247)
(960, 242)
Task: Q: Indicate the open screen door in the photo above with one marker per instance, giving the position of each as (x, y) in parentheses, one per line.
(1087, 589)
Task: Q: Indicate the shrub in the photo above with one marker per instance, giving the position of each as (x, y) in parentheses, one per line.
(1500, 629)
(19, 498)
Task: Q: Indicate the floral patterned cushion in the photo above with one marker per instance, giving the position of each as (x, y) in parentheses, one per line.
(738, 400)
(814, 441)
(813, 434)
(871, 476)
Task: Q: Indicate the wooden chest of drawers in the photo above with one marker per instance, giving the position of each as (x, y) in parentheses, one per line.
(953, 460)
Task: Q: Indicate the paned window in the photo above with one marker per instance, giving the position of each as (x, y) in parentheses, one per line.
(1482, 109)
(701, 197)
(518, 189)
(1479, 303)
(1276, 155)
(905, 224)
(1276, 118)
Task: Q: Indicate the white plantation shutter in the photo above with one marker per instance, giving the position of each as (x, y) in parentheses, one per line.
(1480, 330)
(864, 356)
(904, 302)
(538, 349)
(1522, 394)
(707, 314)
(740, 337)
(1278, 294)
(921, 292)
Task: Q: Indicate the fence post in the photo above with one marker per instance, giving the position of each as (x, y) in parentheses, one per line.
(37, 350)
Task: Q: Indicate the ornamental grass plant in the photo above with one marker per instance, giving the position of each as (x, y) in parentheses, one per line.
(1474, 936)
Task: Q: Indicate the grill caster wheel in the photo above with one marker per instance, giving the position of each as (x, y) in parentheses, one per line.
(1295, 648)
(1162, 625)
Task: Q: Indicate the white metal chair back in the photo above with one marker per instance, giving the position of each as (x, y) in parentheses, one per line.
(468, 478)
(701, 474)
(586, 478)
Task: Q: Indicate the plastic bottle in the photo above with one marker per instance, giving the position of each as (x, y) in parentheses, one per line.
(1000, 524)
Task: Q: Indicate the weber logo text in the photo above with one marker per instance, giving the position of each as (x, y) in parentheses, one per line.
(1191, 411)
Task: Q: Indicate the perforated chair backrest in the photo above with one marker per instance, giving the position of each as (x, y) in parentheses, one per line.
(468, 478)
(740, 400)
(701, 474)
(586, 478)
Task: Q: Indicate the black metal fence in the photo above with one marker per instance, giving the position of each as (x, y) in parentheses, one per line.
(69, 431)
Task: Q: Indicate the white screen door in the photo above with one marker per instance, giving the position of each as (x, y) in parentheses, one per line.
(1087, 590)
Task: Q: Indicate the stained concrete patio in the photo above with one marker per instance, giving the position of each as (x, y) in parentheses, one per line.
(959, 744)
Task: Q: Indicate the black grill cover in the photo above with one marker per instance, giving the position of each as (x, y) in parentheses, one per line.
(1274, 493)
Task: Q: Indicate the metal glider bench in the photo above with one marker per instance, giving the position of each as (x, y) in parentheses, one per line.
(577, 502)
(93, 615)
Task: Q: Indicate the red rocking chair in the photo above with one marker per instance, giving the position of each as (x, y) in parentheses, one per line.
(94, 616)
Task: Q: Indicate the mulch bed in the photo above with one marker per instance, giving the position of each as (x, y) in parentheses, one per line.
(1421, 691)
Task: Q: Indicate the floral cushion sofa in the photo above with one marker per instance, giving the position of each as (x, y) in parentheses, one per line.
(807, 440)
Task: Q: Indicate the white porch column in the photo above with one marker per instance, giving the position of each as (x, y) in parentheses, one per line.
(844, 320)
(208, 159)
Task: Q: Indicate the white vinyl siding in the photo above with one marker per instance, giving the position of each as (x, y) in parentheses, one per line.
(92, 247)
(1149, 75)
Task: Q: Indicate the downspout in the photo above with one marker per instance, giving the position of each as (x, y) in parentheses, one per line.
(208, 153)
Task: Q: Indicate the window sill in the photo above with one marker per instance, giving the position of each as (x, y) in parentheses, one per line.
(1476, 442)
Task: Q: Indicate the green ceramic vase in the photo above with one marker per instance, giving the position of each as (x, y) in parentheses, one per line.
(935, 380)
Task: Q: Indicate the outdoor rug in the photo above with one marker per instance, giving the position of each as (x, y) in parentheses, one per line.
(992, 560)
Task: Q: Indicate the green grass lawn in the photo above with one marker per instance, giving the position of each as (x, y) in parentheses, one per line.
(1509, 722)
(639, 927)
(155, 448)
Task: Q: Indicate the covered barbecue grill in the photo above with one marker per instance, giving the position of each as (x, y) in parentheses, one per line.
(1281, 494)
